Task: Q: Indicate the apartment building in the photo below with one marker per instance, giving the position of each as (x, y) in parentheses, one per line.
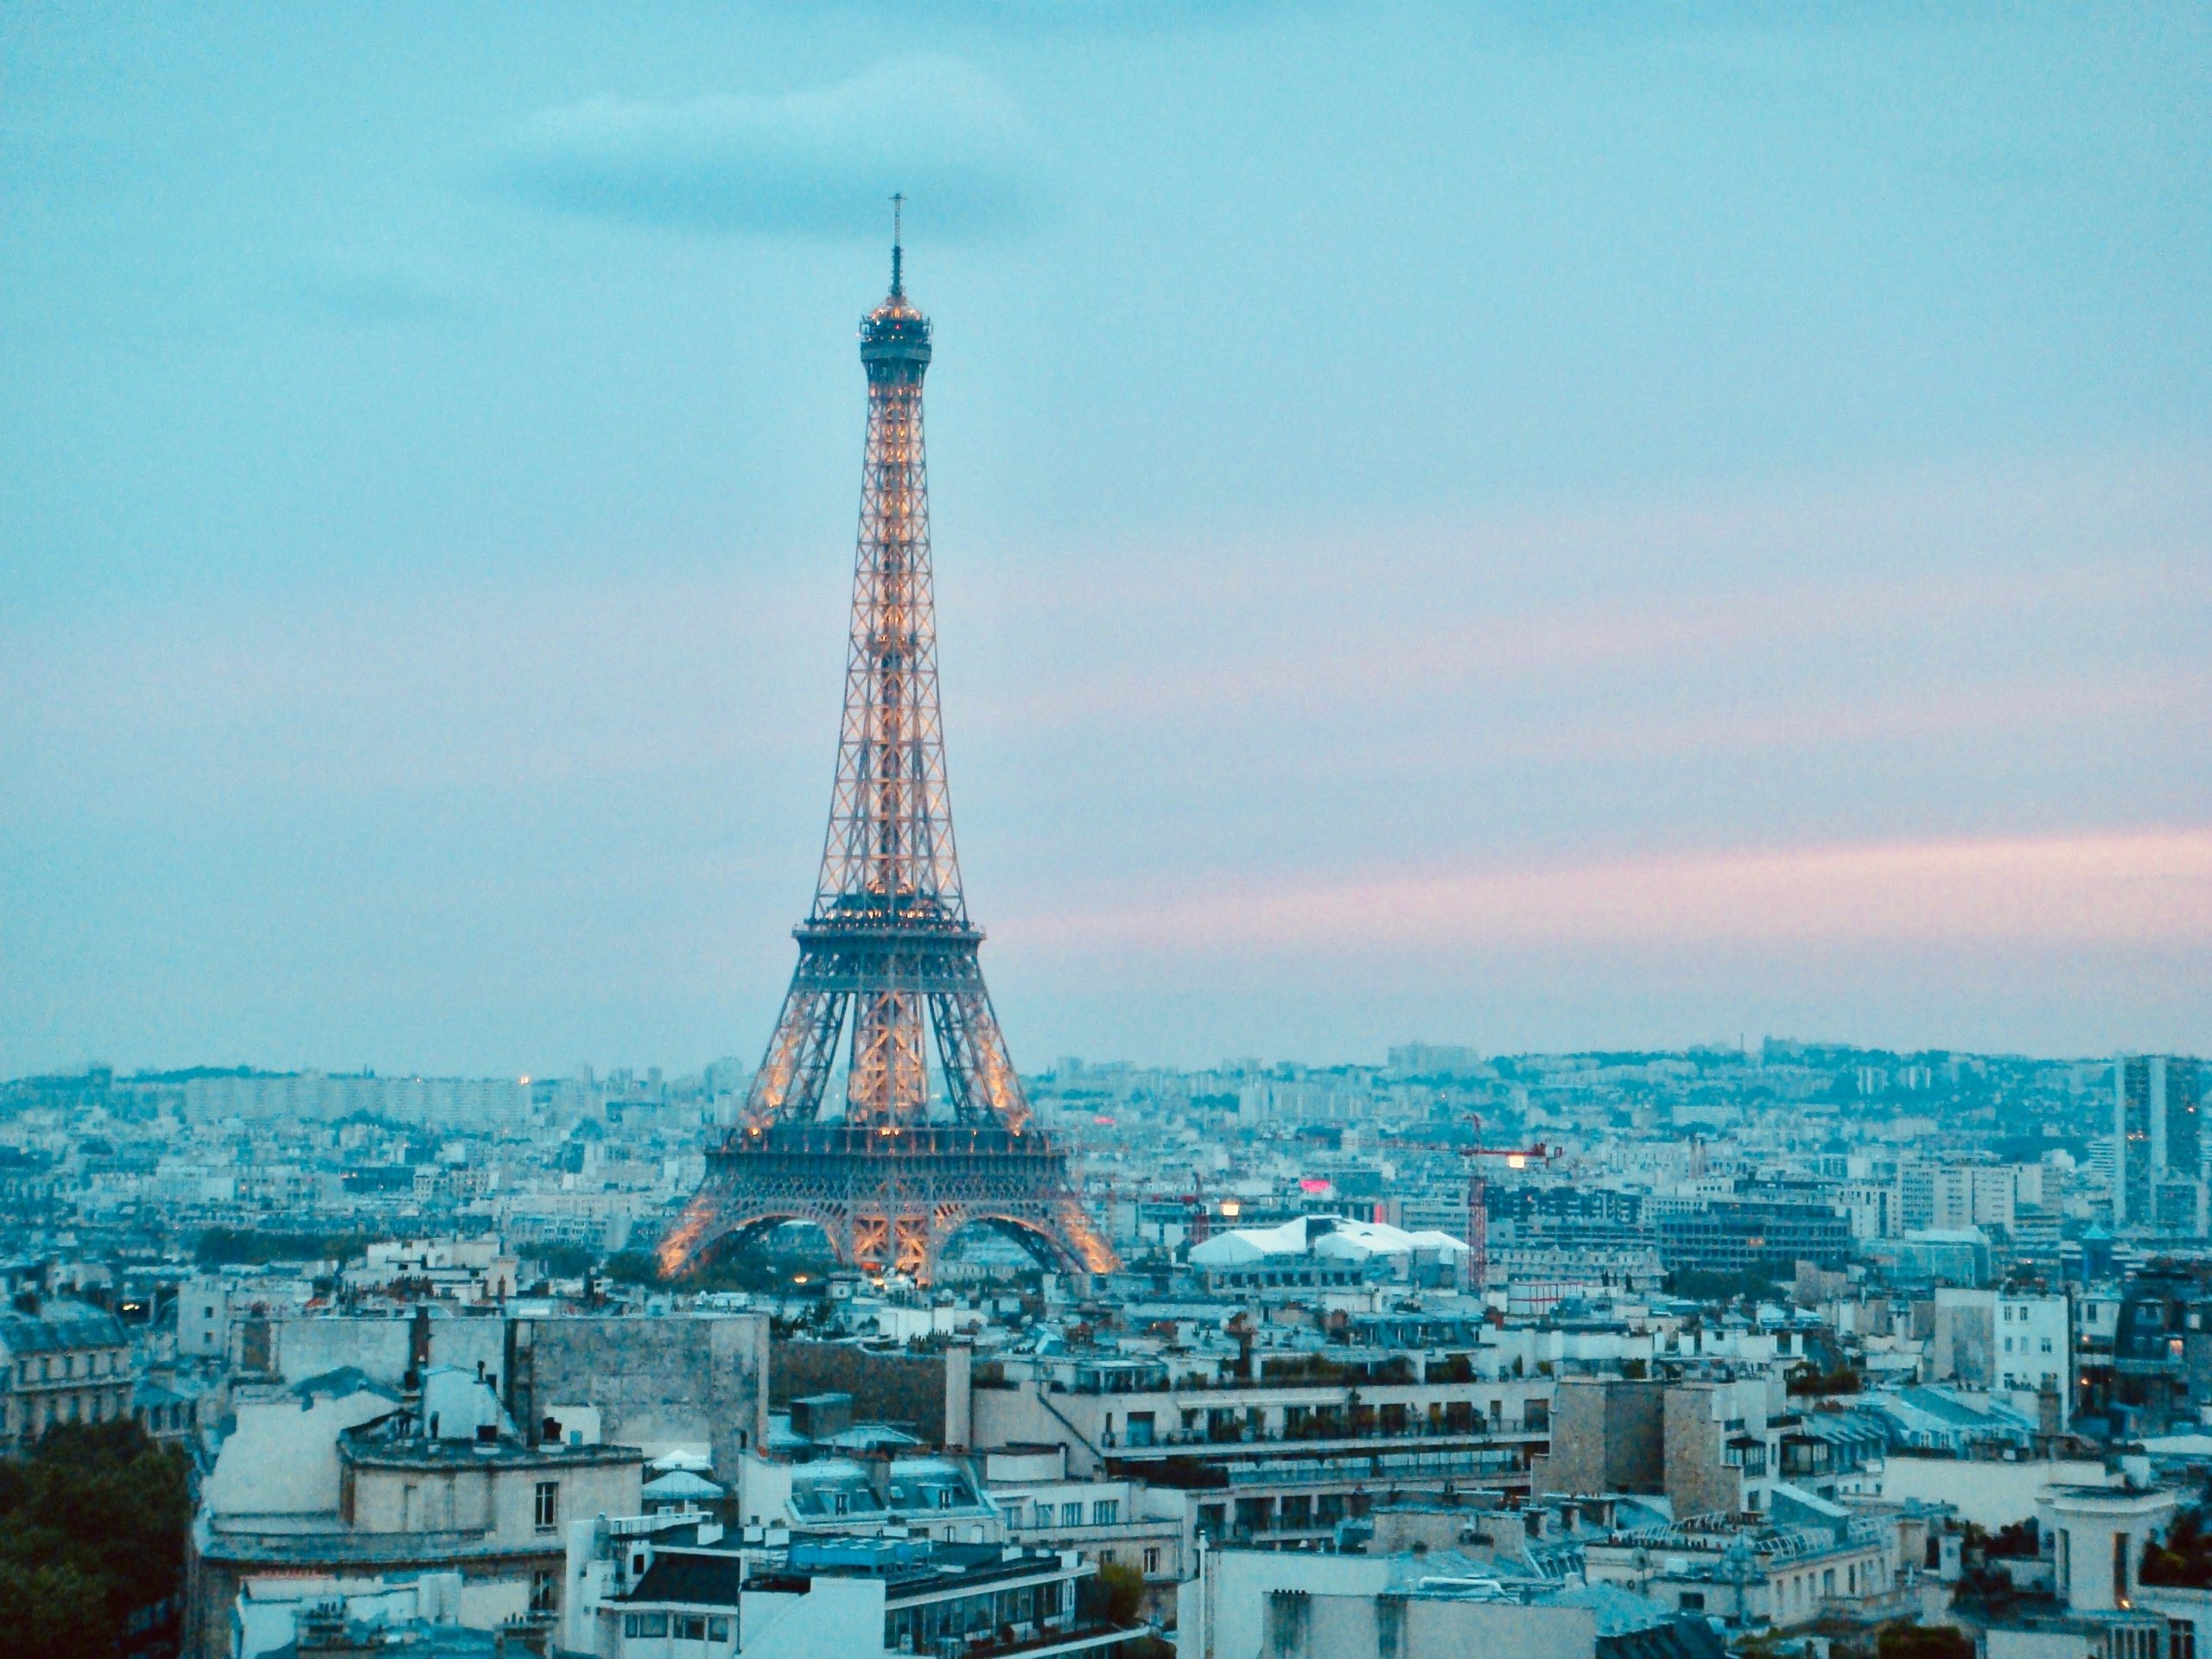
(68, 1362)
(1284, 1449)
(328, 1484)
(2015, 1345)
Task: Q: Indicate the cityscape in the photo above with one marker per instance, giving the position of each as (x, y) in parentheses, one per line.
(1803, 1341)
(1305, 1306)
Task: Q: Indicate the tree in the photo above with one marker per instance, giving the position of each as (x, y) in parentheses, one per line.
(246, 1246)
(52, 1612)
(2184, 1558)
(92, 1528)
(1710, 1284)
(1123, 1586)
(1810, 1379)
(1924, 1642)
(563, 1261)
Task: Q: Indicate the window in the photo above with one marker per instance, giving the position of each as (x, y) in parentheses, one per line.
(1070, 1515)
(1152, 1565)
(1105, 1512)
(644, 1623)
(718, 1628)
(545, 1591)
(2046, 1344)
(690, 1627)
(1013, 1513)
(1691, 1601)
(548, 1512)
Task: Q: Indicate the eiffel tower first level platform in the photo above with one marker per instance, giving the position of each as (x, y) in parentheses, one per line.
(932, 1134)
(891, 1200)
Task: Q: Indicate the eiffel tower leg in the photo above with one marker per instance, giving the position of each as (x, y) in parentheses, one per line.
(790, 1079)
(916, 1253)
(1073, 1231)
(979, 1078)
(871, 1241)
(695, 1232)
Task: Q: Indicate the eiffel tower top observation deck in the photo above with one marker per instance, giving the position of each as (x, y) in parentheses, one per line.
(887, 948)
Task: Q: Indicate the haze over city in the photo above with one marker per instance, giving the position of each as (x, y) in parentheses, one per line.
(1527, 529)
(1571, 644)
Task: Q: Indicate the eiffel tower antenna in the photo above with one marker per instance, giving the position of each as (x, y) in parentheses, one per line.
(887, 952)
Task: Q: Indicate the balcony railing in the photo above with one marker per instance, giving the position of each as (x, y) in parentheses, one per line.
(1336, 1437)
(1898, 1601)
(1403, 1467)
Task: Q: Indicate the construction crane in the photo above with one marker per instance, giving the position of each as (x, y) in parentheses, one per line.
(1478, 1185)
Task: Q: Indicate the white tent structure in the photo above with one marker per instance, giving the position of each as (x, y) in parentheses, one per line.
(1332, 1237)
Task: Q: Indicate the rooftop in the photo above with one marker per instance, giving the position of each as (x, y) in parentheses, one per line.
(58, 1327)
(1339, 1238)
(392, 1441)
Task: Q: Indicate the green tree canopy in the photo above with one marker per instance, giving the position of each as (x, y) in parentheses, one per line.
(92, 1527)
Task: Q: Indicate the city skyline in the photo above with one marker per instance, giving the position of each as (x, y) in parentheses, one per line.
(1729, 564)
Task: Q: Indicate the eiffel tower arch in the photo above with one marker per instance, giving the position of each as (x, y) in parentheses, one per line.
(889, 970)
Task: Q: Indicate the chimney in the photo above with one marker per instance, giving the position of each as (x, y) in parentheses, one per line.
(959, 1396)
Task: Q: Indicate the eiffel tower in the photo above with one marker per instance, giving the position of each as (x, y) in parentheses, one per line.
(889, 1173)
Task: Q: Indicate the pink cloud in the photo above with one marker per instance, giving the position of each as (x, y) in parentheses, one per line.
(1971, 578)
(2136, 887)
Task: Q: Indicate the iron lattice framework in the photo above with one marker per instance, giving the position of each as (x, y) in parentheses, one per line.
(887, 946)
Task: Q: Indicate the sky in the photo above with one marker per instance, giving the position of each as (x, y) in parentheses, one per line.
(1533, 525)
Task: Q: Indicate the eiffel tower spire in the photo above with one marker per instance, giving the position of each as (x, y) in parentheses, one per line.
(888, 949)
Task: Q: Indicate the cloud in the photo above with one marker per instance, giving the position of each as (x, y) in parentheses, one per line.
(2135, 887)
(812, 164)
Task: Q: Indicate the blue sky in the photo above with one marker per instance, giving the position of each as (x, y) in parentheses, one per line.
(1529, 525)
